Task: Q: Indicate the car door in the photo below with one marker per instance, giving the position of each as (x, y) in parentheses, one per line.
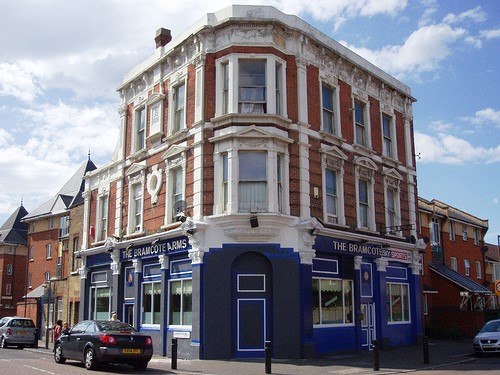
(71, 342)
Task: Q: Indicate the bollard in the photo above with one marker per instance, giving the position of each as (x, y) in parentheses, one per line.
(174, 354)
(425, 342)
(376, 358)
(267, 346)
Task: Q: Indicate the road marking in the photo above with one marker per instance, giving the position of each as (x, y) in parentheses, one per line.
(41, 370)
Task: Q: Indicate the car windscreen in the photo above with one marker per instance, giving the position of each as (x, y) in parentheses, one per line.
(114, 326)
(22, 323)
(491, 327)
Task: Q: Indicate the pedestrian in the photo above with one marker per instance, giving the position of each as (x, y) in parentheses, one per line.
(57, 330)
(114, 316)
(65, 328)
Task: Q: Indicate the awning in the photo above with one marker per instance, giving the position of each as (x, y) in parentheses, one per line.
(38, 292)
(461, 280)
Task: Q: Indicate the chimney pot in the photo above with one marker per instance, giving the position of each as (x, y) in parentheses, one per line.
(162, 37)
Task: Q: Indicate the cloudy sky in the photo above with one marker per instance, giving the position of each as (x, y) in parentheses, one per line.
(61, 62)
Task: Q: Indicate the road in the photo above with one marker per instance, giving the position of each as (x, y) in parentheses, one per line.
(15, 361)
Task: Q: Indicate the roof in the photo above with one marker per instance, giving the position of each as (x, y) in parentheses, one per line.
(457, 278)
(14, 231)
(37, 292)
(70, 194)
(493, 253)
(439, 208)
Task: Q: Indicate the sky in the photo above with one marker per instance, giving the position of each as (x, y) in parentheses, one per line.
(61, 63)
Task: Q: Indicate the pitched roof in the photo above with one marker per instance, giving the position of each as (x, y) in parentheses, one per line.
(14, 231)
(457, 278)
(442, 209)
(69, 195)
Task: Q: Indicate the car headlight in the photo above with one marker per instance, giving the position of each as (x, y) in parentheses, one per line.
(475, 341)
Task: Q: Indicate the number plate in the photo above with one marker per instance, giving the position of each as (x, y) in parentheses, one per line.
(131, 351)
(22, 332)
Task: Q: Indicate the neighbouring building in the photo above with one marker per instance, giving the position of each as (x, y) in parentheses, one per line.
(13, 266)
(53, 283)
(264, 189)
(492, 273)
(454, 283)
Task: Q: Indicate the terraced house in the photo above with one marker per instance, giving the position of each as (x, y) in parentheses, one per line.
(264, 189)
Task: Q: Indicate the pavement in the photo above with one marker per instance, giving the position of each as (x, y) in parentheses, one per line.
(398, 360)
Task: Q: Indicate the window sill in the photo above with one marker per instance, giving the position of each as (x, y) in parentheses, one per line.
(254, 119)
(332, 138)
(362, 150)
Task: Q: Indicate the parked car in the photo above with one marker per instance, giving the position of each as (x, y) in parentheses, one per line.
(488, 338)
(19, 331)
(96, 341)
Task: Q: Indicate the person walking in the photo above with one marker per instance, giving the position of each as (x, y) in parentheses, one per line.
(65, 328)
(57, 330)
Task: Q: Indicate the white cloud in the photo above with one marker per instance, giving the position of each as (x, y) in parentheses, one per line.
(485, 116)
(449, 149)
(476, 15)
(421, 52)
(490, 34)
(18, 82)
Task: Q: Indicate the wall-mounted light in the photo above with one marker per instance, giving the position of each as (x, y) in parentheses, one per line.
(254, 222)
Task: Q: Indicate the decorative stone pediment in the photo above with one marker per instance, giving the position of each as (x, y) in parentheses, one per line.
(135, 168)
(365, 162)
(333, 151)
(174, 151)
(392, 173)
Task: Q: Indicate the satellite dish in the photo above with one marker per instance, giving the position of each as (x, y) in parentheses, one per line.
(179, 209)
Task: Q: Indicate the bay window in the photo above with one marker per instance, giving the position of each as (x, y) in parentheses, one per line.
(252, 187)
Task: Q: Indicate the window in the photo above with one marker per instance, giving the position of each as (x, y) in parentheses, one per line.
(451, 230)
(47, 276)
(361, 136)
(151, 303)
(75, 261)
(30, 280)
(435, 238)
(464, 232)
(331, 195)
(48, 251)
(100, 302)
(32, 253)
(279, 179)
(328, 97)
(140, 129)
(155, 121)
(51, 222)
(225, 182)
(391, 214)
(63, 226)
(476, 236)
(102, 218)
(8, 289)
(179, 98)
(59, 308)
(332, 301)
(9, 269)
(181, 303)
(479, 272)
(467, 267)
(135, 212)
(363, 204)
(398, 303)
(454, 264)
(252, 86)
(225, 87)
(278, 77)
(10, 250)
(387, 133)
(252, 186)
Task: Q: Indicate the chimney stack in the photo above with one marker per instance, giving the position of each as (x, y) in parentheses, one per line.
(162, 37)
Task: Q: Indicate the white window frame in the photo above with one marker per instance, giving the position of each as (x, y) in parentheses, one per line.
(139, 129)
(182, 281)
(475, 234)
(467, 267)
(10, 269)
(102, 214)
(451, 230)
(151, 323)
(392, 181)
(479, 270)
(93, 302)
(435, 232)
(365, 125)
(454, 263)
(226, 187)
(175, 161)
(48, 251)
(389, 143)
(155, 110)
(345, 303)
(390, 315)
(227, 84)
(335, 129)
(178, 106)
(464, 232)
(365, 171)
(136, 180)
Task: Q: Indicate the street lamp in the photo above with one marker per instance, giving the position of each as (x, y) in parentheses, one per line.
(49, 285)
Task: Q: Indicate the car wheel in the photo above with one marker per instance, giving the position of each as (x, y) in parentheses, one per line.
(58, 357)
(140, 366)
(90, 360)
(3, 344)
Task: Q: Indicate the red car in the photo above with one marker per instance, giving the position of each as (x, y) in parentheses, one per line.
(101, 341)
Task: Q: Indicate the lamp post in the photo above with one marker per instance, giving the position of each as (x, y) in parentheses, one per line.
(49, 294)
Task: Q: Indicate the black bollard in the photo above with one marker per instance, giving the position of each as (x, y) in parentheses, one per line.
(376, 358)
(267, 346)
(174, 354)
(426, 349)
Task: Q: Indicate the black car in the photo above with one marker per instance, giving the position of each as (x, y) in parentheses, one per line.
(101, 341)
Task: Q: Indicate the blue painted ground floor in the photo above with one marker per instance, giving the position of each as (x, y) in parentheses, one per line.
(339, 295)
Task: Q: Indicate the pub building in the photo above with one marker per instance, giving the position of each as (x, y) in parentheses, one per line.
(263, 190)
